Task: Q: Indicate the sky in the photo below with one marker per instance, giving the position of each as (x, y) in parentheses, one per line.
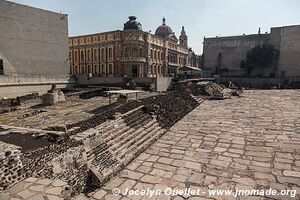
(200, 18)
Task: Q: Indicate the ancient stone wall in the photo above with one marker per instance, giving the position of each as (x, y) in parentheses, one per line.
(10, 165)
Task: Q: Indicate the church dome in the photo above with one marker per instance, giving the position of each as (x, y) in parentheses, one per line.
(132, 24)
(163, 30)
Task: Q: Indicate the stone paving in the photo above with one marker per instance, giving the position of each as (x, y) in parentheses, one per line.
(252, 142)
(37, 189)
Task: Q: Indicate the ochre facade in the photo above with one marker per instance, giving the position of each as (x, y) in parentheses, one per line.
(130, 52)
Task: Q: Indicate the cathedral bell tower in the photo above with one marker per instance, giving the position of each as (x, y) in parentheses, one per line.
(183, 39)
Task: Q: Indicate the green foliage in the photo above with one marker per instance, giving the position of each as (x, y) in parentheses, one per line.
(260, 57)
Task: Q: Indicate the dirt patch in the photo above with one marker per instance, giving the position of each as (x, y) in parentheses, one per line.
(26, 141)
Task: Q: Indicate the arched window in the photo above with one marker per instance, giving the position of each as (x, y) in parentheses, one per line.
(75, 57)
(103, 69)
(95, 55)
(82, 57)
(110, 69)
(110, 52)
(88, 56)
(102, 55)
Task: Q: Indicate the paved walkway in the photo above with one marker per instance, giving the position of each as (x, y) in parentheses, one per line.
(37, 189)
(251, 142)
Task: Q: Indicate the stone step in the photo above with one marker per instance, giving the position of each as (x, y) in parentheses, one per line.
(121, 124)
(140, 145)
(116, 121)
(149, 141)
(131, 136)
(135, 141)
(117, 133)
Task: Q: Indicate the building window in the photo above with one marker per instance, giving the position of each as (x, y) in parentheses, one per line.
(162, 55)
(95, 70)
(82, 57)
(102, 55)
(126, 52)
(154, 54)
(1, 67)
(158, 55)
(70, 56)
(151, 51)
(75, 56)
(110, 53)
(141, 52)
(110, 69)
(134, 52)
(102, 69)
(82, 69)
(88, 56)
(95, 55)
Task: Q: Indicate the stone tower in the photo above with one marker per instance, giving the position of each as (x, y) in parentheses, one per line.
(183, 39)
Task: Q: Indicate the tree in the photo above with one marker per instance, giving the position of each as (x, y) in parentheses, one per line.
(261, 57)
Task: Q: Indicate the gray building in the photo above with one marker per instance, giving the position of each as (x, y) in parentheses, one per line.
(224, 54)
(33, 49)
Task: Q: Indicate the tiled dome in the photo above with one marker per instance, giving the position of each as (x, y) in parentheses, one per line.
(163, 30)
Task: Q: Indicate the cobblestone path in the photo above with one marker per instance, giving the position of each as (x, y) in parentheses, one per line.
(252, 142)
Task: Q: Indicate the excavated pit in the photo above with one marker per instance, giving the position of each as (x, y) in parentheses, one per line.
(97, 148)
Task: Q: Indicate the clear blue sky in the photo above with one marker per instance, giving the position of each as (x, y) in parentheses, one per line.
(200, 17)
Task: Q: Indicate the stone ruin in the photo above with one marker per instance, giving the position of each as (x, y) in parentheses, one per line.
(99, 147)
(11, 166)
(53, 96)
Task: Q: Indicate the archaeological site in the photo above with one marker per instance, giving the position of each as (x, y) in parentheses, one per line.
(95, 106)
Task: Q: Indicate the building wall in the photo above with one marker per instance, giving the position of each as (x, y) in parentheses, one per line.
(33, 41)
(135, 53)
(288, 39)
(228, 52)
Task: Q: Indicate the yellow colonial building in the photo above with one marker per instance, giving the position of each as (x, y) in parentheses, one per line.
(132, 52)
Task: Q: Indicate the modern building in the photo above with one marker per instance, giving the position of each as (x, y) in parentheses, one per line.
(131, 51)
(223, 55)
(33, 49)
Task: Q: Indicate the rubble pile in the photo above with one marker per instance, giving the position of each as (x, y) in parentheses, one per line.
(11, 104)
(207, 88)
(171, 107)
(29, 97)
(190, 87)
(18, 100)
(10, 165)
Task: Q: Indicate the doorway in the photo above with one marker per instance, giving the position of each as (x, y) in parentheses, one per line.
(134, 70)
(1, 67)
